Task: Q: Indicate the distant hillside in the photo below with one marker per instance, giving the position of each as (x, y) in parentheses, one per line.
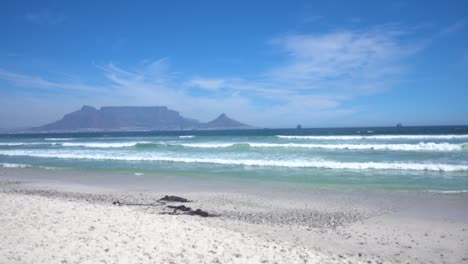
(132, 118)
(224, 122)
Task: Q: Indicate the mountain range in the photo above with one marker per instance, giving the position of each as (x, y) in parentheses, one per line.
(133, 118)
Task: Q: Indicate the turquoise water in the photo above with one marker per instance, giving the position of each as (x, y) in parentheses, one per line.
(432, 159)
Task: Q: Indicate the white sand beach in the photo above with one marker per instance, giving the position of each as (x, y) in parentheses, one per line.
(65, 222)
(38, 229)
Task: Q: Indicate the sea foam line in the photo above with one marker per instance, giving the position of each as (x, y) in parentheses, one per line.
(14, 165)
(188, 136)
(205, 145)
(430, 146)
(104, 145)
(11, 144)
(448, 191)
(22, 166)
(78, 144)
(323, 164)
(383, 137)
(422, 146)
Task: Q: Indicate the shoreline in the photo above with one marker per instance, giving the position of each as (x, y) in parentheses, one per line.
(323, 226)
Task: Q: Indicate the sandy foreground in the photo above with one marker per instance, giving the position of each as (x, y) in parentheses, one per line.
(52, 223)
(38, 229)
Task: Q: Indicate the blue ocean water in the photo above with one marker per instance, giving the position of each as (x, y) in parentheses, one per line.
(428, 159)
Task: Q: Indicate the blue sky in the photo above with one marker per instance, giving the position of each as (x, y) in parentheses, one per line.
(266, 63)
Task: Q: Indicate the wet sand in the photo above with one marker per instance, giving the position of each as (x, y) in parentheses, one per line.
(71, 217)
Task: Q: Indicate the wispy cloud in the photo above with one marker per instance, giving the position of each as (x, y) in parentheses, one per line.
(29, 81)
(320, 72)
(206, 83)
(341, 60)
(45, 17)
(149, 74)
(342, 63)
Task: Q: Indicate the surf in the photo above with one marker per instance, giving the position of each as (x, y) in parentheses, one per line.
(298, 163)
(376, 137)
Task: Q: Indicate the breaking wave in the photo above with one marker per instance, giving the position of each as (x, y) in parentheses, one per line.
(395, 147)
(448, 191)
(209, 145)
(104, 145)
(12, 144)
(14, 165)
(188, 136)
(321, 164)
(422, 146)
(383, 137)
(430, 146)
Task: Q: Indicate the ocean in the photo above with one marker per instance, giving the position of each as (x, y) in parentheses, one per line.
(405, 159)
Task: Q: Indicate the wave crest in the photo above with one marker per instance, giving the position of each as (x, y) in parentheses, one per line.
(321, 164)
(187, 136)
(104, 145)
(448, 191)
(14, 165)
(377, 137)
(430, 146)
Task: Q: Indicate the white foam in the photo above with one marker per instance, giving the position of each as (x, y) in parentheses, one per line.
(12, 144)
(324, 164)
(430, 146)
(24, 144)
(205, 145)
(448, 192)
(383, 137)
(14, 165)
(48, 168)
(58, 139)
(188, 136)
(104, 145)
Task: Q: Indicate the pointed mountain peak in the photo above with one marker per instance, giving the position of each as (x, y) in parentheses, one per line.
(222, 116)
(225, 122)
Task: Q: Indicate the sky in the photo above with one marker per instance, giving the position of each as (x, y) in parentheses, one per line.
(265, 63)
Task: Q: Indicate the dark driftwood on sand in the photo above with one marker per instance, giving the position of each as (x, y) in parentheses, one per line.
(180, 208)
(162, 201)
(172, 198)
(176, 209)
(200, 213)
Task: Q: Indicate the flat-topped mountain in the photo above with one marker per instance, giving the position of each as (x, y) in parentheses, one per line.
(132, 118)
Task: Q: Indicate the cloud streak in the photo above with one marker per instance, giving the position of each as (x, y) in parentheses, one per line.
(324, 70)
(318, 74)
(342, 60)
(35, 82)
